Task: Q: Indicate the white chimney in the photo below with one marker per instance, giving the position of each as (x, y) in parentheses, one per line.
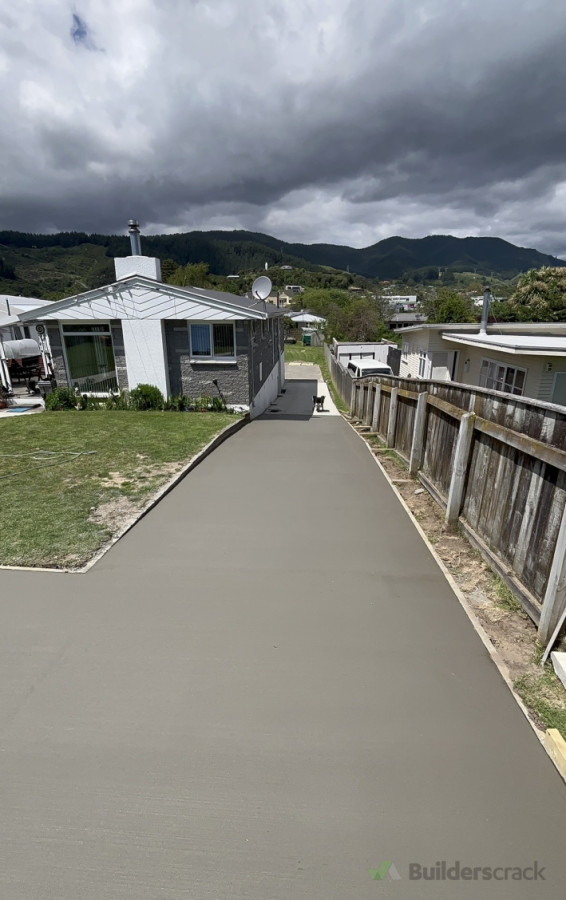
(136, 264)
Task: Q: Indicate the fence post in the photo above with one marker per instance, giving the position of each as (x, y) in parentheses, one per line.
(458, 480)
(392, 418)
(418, 435)
(555, 595)
(353, 400)
(376, 408)
(360, 403)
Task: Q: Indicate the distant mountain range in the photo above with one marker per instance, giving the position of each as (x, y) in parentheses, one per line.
(63, 261)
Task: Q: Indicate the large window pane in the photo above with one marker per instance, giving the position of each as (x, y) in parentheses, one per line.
(200, 340)
(223, 340)
(91, 362)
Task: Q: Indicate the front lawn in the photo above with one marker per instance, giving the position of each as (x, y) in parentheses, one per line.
(70, 480)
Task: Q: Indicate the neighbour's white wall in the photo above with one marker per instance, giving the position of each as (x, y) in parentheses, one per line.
(268, 391)
(343, 351)
(146, 358)
(538, 383)
(411, 347)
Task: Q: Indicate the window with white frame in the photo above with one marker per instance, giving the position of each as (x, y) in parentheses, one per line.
(90, 356)
(405, 349)
(213, 340)
(423, 360)
(499, 377)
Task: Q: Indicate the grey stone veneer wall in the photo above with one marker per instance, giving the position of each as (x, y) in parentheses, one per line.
(59, 370)
(119, 355)
(195, 379)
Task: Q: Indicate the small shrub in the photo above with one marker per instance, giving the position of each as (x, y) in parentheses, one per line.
(204, 403)
(177, 403)
(86, 402)
(146, 396)
(217, 404)
(61, 398)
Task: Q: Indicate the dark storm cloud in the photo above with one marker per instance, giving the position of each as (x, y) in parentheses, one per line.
(320, 122)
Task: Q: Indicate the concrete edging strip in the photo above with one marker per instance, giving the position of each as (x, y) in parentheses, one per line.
(556, 749)
(155, 499)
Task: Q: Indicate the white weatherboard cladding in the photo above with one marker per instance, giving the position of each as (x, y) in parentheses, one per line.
(142, 303)
(145, 354)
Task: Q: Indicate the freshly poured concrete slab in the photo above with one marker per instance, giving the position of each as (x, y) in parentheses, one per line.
(267, 690)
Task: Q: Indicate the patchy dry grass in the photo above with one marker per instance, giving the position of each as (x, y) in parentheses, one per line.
(69, 480)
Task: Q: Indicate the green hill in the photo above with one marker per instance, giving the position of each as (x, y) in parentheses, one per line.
(57, 264)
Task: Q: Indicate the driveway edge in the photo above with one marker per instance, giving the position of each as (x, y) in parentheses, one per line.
(478, 627)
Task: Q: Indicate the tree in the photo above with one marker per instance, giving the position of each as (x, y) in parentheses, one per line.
(191, 275)
(449, 306)
(540, 296)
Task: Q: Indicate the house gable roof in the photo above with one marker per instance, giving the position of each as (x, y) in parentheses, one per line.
(138, 297)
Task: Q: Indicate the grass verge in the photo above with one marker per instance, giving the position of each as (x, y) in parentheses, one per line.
(71, 479)
(544, 695)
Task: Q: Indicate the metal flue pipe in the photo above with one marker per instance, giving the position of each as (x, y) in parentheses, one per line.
(134, 230)
(487, 298)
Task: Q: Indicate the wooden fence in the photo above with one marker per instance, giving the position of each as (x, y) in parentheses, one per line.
(495, 462)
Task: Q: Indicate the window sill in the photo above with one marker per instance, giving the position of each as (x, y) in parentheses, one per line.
(204, 361)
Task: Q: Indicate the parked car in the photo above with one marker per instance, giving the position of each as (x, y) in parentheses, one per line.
(362, 368)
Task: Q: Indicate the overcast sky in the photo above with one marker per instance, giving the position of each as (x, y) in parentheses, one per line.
(311, 120)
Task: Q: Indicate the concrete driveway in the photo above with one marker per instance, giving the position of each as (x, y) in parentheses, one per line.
(264, 691)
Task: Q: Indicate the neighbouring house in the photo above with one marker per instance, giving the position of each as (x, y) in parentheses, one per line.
(184, 340)
(514, 357)
(307, 319)
(405, 320)
(401, 302)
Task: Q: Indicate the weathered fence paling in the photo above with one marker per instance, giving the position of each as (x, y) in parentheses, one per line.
(459, 469)
(418, 435)
(495, 461)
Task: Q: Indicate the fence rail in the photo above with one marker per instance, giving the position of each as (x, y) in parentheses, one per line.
(494, 461)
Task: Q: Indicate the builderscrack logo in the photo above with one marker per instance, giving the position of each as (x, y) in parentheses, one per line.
(386, 868)
(455, 871)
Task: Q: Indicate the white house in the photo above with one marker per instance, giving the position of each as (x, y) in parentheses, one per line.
(184, 340)
(514, 357)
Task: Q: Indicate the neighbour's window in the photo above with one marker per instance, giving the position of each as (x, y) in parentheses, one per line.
(497, 376)
(423, 359)
(405, 350)
(214, 341)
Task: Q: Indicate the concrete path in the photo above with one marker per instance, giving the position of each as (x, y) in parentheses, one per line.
(265, 690)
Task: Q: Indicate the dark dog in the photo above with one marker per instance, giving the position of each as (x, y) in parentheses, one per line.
(318, 402)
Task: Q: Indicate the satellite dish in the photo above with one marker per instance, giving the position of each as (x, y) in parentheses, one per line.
(261, 288)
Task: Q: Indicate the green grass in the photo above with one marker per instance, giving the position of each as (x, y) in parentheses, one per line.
(504, 597)
(544, 695)
(46, 514)
(298, 353)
